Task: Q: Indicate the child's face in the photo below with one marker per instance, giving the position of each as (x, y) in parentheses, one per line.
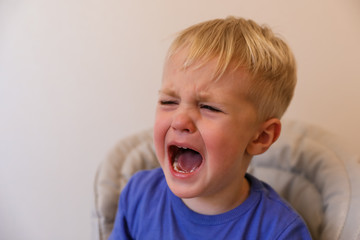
(212, 118)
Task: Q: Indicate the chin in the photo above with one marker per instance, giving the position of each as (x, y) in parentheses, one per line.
(183, 192)
(182, 188)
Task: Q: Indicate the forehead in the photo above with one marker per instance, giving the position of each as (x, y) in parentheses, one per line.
(181, 61)
(177, 71)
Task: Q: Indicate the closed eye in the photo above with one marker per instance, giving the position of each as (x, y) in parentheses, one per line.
(210, 108)
(167, 102)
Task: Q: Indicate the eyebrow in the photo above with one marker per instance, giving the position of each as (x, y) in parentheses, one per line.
(168, 92)
(202, 96)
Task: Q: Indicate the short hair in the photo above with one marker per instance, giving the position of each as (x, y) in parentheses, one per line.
(244, 44)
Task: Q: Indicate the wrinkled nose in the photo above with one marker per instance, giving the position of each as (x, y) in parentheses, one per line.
(182, 122)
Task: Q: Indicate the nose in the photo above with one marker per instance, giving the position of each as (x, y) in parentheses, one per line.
(183, 122)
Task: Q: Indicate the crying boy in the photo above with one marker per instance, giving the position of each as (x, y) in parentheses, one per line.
(226, 83)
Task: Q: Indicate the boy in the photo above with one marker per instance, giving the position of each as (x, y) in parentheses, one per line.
(226, 83)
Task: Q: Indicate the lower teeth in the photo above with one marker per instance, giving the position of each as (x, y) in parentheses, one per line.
(176, 164)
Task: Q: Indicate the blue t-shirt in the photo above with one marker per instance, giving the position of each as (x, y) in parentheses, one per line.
(149, 210)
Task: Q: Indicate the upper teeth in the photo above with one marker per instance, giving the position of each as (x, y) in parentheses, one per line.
(182, 147)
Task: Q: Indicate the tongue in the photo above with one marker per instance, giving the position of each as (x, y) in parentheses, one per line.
(188, 161)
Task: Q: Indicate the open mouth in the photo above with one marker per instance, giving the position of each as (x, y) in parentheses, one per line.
(184, 160)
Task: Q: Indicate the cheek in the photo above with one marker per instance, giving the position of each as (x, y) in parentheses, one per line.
(224, 147)
(160, 127)
(159, 146)
(161, 124)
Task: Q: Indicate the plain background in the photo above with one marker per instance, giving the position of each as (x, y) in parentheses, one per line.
(78, 75)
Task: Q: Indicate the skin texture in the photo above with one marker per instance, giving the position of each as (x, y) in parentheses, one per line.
(216, 119)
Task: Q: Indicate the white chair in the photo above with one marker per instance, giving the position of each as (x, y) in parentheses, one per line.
(307, 166)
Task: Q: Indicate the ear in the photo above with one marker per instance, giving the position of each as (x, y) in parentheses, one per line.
(267, 134)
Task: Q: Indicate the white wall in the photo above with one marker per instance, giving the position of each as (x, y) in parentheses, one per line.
(77, 75)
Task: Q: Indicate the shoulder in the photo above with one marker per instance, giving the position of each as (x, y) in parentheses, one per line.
(140, 201)
(280, 219)
(269, 198)
(143, 184)
(153, 176)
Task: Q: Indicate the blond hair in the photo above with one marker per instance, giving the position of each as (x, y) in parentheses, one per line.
(244, 44)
